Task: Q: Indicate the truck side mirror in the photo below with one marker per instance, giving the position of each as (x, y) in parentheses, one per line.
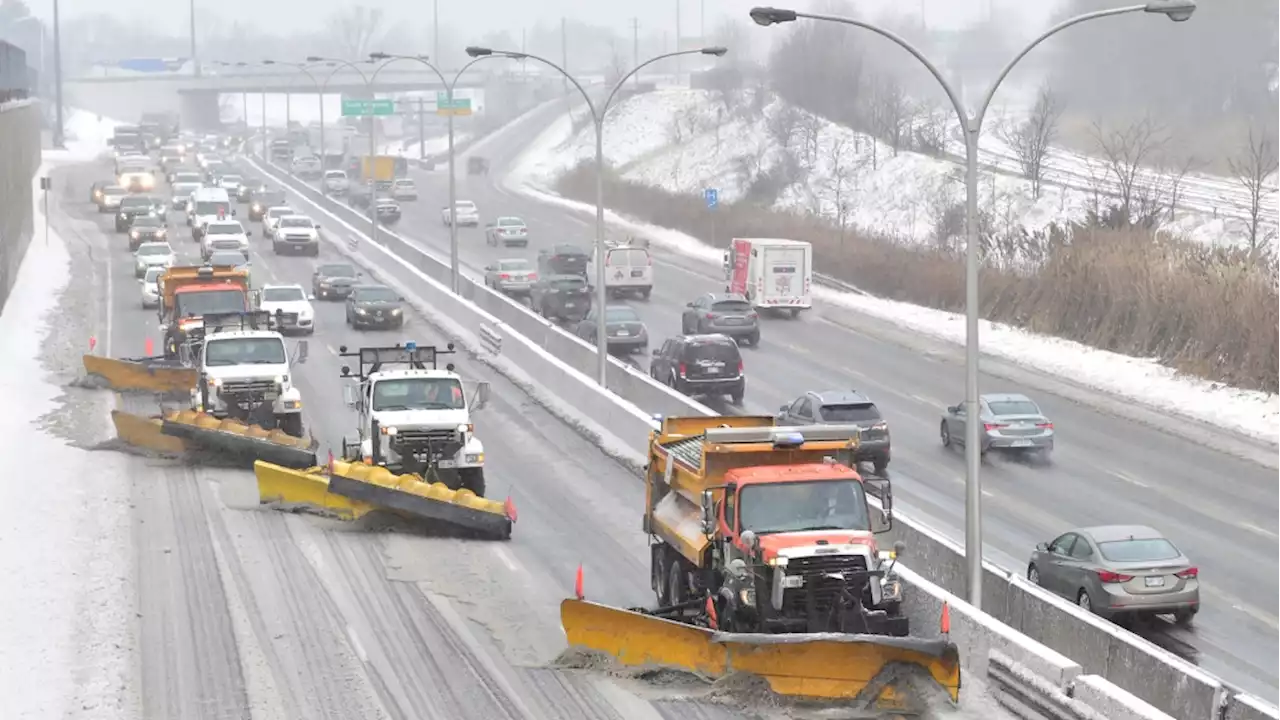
(708, 513)
(349, 395)
(481, 397)
(880, 521)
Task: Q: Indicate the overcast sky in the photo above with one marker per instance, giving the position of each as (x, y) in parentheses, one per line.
(481, 16)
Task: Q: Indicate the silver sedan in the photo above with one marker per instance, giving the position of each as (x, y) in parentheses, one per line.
(1010, 423)
(1118, 571)
(512, 276)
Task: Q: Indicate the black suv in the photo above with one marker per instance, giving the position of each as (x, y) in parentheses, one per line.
(705, 365)
(844, 407)
(131, 207)
(566, 298)
(563, 260)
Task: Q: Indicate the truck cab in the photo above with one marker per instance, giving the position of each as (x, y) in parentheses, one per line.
(415, 417)
(187, 294)
(245, 372)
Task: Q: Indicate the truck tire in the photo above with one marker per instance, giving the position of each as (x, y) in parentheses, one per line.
(472, 479)
(290, 424)
(677, 589)
(658, 573)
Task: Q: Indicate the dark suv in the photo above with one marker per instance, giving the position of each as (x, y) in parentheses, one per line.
(566, 298)
(261, 200)
(563, 260)
(132, 207)
(845, 407)
(720, 313)
(705, 365)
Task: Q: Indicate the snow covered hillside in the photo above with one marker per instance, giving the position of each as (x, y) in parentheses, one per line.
(686, 141)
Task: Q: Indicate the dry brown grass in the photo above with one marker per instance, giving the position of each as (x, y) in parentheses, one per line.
(1207, 312)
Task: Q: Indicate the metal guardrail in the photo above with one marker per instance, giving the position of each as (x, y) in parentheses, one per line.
(1029, 696)
(491, 339)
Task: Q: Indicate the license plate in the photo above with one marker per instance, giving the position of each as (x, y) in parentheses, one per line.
(637, 273)
(623, 333)
(447, 463)
(1022, 443)
(733, 321)
(570, 306)
(1154, 581)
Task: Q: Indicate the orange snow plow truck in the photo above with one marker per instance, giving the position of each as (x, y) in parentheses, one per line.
(764, 562)
(186, 294)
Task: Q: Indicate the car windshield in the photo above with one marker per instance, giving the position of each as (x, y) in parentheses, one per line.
(213, 207)
(799, 506)
(731, 306)
(466, 206)
(376, 294)
(187, 177)
(152, 274)
(113, 190)
(510, 222)
(850, 412)
(138, 201)
(282, 294)
(514, 265)
(185, 188)
(1144, 550)
(1013, 407)
(244, 351)
(337, 271)
(404, 182)
(569, 283)
(722, 351)
(296, 222)
(195, 304)
(274, 213)
(268, 199)
(418, 394)
(154, 249)
(148, 221)
(621, 314)
(224, 229)
(227, 259)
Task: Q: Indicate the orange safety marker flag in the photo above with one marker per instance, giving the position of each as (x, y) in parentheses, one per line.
(577, 584)
(149, 348)
(93, 341)
(510, 507)
(712, 621)
(330, 462)
(945, 622)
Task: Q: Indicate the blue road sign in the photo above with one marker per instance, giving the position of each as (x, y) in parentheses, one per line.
(712, 196)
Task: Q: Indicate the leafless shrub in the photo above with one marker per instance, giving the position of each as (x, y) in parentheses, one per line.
(1031, 139)
(783, 123)
(930, 129)
(810, 128)
(889, 112)
(1252, 168)
(1177, 172)
(1124, 151)
(355, 31)
(1195, 308)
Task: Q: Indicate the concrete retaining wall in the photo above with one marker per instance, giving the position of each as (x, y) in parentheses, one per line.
(19, 159)
(1053, 638)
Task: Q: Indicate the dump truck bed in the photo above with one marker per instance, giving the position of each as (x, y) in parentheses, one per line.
(691, 454)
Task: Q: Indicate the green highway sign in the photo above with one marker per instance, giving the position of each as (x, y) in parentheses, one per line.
(364, 108)
(460, 106)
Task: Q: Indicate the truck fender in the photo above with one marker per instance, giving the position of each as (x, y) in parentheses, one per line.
(291, 394)
(473, 446)
(366, 448)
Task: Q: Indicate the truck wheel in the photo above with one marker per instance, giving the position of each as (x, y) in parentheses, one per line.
(676, 590)
(472, 479)
(290, 424)
(658, 573)
(644, 294)
(879, 463)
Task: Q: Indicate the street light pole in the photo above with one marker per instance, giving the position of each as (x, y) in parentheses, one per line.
(59, 132)
(602, 297)
(971, 124)
(336, 65)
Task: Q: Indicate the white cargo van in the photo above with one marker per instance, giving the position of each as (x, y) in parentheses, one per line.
(208, 205)
(772, 273)
(628, 269)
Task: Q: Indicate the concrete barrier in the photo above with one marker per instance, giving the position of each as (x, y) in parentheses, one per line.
(1054, 638)
(1248, 707)
(1109, 701)
(19, 159)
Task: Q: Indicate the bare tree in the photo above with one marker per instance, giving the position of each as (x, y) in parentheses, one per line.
(1252, 168)
(1030, 140)
(930, 130)
(810, 134)
(1176, 173)
(1124, 152)
(840, 172)
(889, 112)
(355, 31)
(782, 125)
(617, 68)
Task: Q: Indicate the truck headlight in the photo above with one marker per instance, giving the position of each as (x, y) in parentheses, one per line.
(890, 590)
(282, 379)
(747, 596)
(792, 581)
(475, 459)
(292, 404)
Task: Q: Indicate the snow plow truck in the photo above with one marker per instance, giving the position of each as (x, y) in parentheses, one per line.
(764, 561)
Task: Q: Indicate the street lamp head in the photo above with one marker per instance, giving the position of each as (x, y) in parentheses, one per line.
(1176, 10)
(476, 52)
(379, 56)
(717, 51)
(315, 58)
(268, 62)
(766, 16)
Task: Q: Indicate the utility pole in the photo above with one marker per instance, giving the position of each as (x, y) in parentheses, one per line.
(564, 53)
(435, 30)
(679, 59)
(635, 48)
(59, 136)
(195, 59)
(422, 131)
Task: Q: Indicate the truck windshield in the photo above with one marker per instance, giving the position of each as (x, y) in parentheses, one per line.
(195, 304)
(244, 351)
(418, 394)
(207, 207)
(799, 506)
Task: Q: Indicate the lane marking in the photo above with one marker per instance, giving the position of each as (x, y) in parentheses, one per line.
(1259, 531)
(1126, 477)
(1236, 603)
(357, 645)
(505, 557)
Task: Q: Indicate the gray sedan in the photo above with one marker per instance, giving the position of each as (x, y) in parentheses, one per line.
(512, 276)
(625, 332)
(1010, 423)
(725, 314)
(1118, 571)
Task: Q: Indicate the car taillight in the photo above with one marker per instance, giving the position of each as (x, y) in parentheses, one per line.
(1046, 426)
(711, 316)
(741, 367)
(1189, 573)
(650, 262)
(752, 315)
(533, 276)
(1107, 576)
(505, 276)
(683, 368)
(993, 426)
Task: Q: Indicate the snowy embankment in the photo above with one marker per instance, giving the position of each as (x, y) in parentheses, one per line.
(66, 612)
(639, 151)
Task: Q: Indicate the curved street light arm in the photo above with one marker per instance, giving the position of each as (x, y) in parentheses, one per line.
(604, 109)
(526, 56)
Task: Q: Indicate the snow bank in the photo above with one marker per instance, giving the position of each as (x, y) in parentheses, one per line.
(86, 136)
(66, 608)
(1252, 413)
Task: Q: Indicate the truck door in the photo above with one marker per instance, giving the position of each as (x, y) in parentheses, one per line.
(783, 271)
(740, 273)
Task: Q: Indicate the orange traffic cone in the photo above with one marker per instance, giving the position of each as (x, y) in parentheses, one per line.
(944, 625)
(577, 584)
(510, 507)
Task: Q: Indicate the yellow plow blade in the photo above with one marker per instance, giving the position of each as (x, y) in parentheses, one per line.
(148, 374)
(876, 671)
(308, 489)
(231, 440)
(146, 433)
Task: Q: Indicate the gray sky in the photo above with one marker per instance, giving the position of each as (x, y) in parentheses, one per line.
(481, 16)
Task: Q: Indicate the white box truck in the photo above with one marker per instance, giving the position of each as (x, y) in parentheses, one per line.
(771, 273)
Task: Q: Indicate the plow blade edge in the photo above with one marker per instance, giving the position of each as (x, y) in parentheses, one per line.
(146, 374)
(143, 432)
(230, 440)
(410, 496)
(873, 670)
(304, 489)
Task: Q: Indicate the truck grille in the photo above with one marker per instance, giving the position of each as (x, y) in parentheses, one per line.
(424, 437)
(249, 387)
(826, 589)
(297, 238)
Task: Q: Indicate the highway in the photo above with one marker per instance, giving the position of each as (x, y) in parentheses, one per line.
(1216, 502)
(249, 612)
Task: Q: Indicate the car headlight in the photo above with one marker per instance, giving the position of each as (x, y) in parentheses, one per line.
(475, 458)
(361, 311)
(395, 311)
(133, 234)
(123, 216)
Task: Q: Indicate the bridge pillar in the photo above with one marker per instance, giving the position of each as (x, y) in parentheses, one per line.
(200, 110)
